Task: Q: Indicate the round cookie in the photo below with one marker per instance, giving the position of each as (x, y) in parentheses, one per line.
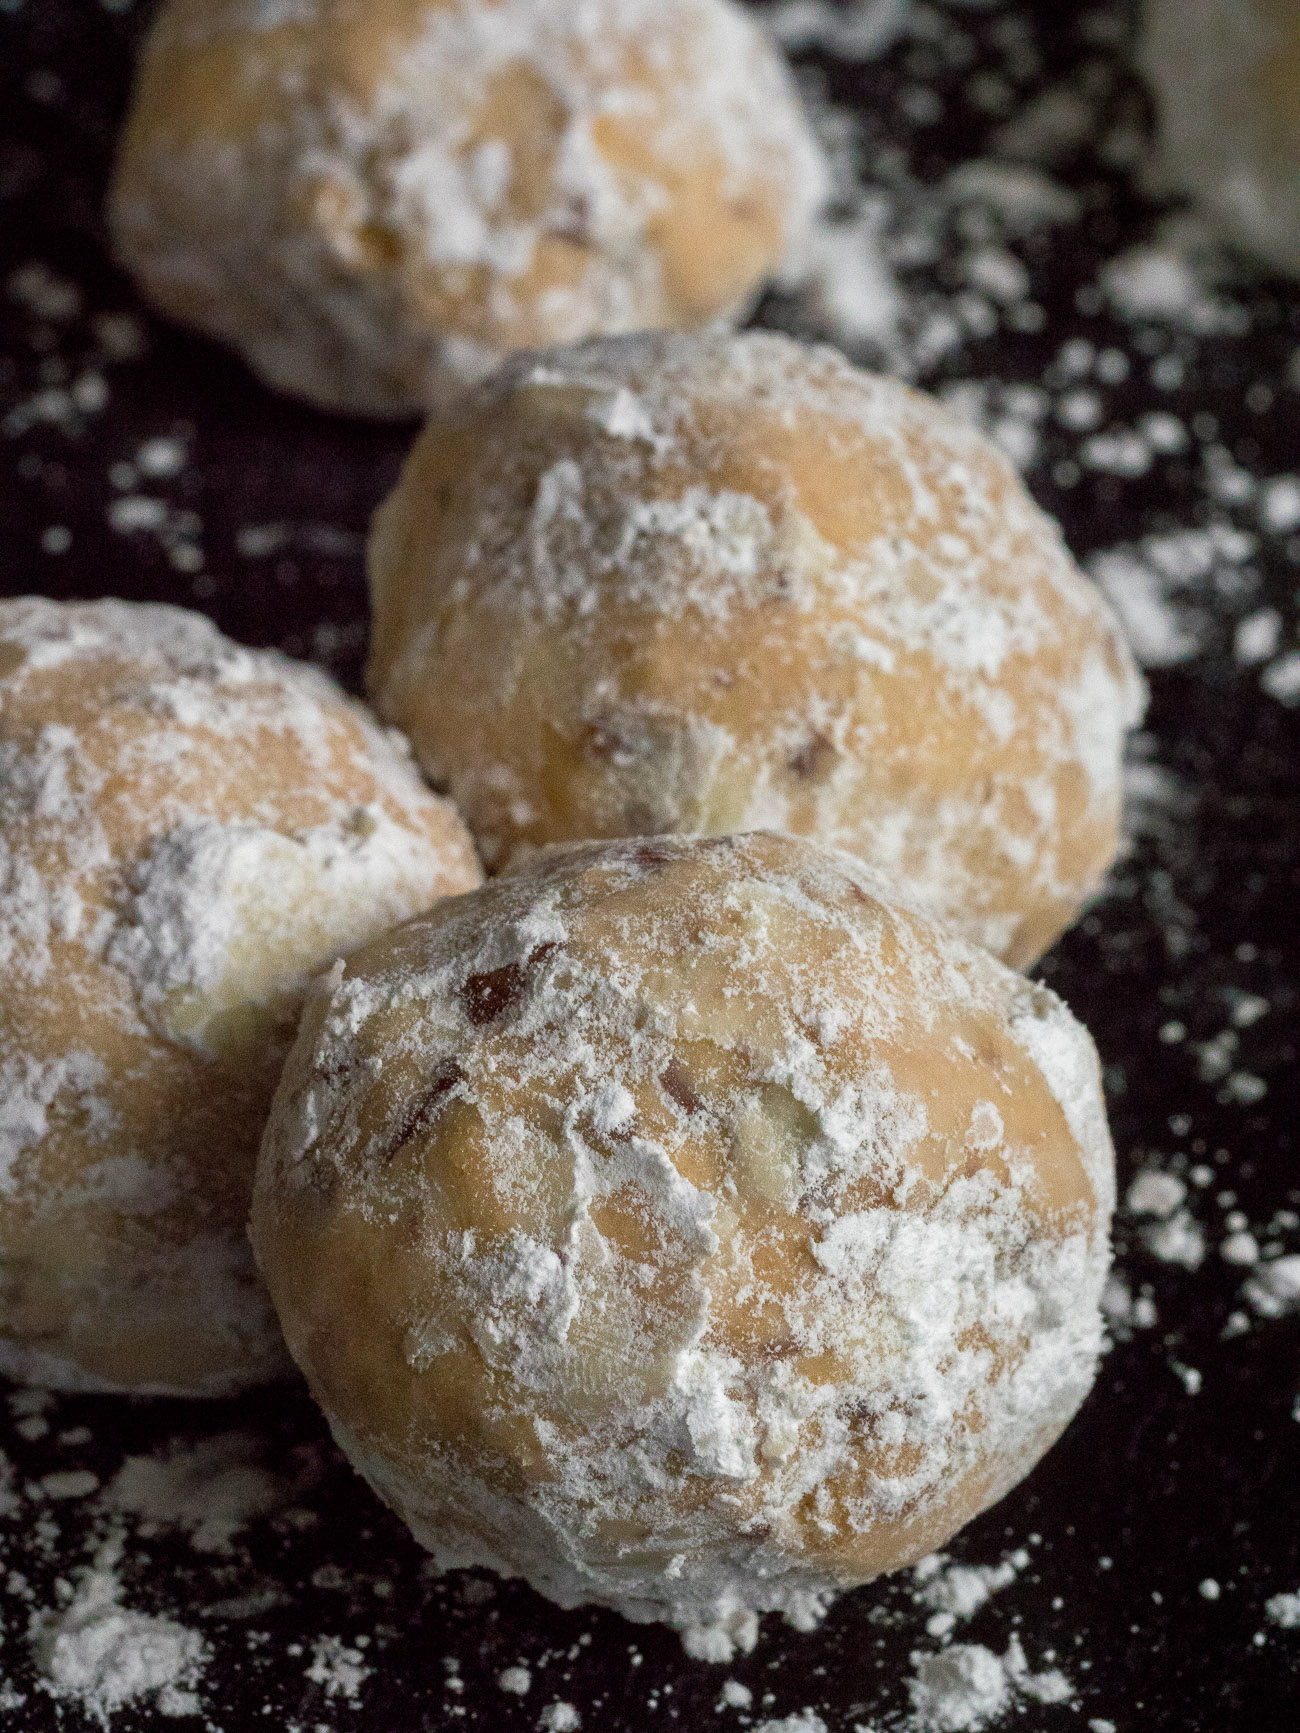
(188, 832)
(688, 1226)
(713, 584)
(1226, 77)
(375, 202)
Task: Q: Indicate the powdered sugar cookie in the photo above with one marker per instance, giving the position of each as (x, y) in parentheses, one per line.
(375, 202)
(188, 831)
(688, 1226)
(1226, 76)
(712, 584)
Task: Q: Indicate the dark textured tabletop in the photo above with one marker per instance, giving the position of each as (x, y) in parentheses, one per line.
(1149, 1557)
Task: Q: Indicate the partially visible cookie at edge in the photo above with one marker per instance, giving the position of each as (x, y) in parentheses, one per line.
(189, 830)
(376, 203)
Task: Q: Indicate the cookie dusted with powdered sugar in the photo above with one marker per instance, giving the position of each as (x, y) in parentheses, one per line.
(713, 584)
(376, 200)
(1226, 78)
(688, 1226)
(188, 832)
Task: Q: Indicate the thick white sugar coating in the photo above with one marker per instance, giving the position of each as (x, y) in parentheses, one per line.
(688, 1226)
(713, 584)
(375, 202)
(188, 832)
(1226, 77)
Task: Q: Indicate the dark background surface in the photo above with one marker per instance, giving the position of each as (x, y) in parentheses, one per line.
(1154, 1488)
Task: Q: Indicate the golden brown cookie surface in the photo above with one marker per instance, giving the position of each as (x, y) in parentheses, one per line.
(688, 1226)
(188, 831)
(720, 584)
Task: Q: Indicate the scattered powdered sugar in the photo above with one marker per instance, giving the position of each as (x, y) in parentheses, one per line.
(1170, 1232)
(211, 1489)
(1178, 278)
(1124, 1311)
(340, 1670)
(1177, 1240)
(1284, 1611)
(858, 282)
(197, 1504)
(1257, 637)
(966, 1687)
(956, 1592)
(1163, 588)
(960, 1688)
(1281, 679)
(67, 398)
(560, 1717)
(804, 1721)
(103, 1656)
(1274, 1289)
(1154, 1193)
(10, 1504)
(69, 1483)
(858, 30)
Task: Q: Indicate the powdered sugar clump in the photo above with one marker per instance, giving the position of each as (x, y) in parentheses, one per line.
(224, 914)
(966, 1687)
(804, 1721)
(955, 1592)
(103, 1656)
(1284, 1611)
(339, 1669)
